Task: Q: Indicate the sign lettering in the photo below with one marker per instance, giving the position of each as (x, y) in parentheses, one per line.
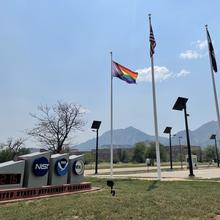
(10, 178)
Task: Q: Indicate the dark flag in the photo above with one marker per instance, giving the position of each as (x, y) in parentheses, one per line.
(152, 41)
(212, 53)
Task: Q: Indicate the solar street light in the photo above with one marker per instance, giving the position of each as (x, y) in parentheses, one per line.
(95, 126)
(168, 131)
(213, 137)
(180, 105)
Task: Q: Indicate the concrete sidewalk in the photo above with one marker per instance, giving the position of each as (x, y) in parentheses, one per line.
(142, 172)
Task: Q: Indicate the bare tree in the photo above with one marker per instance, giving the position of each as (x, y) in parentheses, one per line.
(12, 148)
(55, 124)
(13, 145)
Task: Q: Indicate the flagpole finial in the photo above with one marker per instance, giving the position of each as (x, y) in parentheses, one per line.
(206, 26)
(149, 15)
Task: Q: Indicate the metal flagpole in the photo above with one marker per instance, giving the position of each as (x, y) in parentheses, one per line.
(155, 113)
(213, 81)
(111, 132)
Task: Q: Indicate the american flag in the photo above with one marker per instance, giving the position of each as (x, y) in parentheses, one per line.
(152, 41)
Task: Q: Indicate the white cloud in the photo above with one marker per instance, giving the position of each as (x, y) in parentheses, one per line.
(197, 53)
(84, 110)
(201, 44)
(182, 72)
(190, 54)
(161, 73)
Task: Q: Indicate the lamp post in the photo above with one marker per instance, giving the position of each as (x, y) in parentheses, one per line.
(168, 131)
(181, 152)
(180, 105)
(95, 126)
(213, 137)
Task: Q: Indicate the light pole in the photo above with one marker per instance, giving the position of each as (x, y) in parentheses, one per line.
(181, 152)
(168, 131)
(180, 105)
(213, 137)
(95, 126)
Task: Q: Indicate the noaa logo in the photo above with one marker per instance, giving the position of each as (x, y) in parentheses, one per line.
(78, 167)
(40, 166)
(61, 167)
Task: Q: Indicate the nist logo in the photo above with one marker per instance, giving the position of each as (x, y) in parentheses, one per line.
(40, 166)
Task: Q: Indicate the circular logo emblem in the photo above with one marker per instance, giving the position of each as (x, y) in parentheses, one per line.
(61, 167)
(78, 167)
(40, 166)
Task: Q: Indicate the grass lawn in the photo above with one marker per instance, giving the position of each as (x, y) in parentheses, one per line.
(135, 199)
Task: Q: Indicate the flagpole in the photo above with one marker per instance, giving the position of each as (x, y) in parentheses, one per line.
(213, 83)
(155, 114)
(111, 132)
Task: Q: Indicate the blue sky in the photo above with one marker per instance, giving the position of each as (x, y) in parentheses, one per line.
(59, 50)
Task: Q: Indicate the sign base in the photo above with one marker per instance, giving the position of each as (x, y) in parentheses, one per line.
(7, 195)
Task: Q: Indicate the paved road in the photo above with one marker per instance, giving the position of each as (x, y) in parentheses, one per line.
(143, 172)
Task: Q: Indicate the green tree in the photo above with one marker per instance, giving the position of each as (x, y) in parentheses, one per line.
(123, 155)
(6, 155)
(151, 152)
(89, 158)
(210, 153)
(12, 149)
(139, 152)
(198, 153)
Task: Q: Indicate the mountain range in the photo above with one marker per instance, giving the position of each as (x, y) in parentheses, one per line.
(199, 136)
(129, 136)
(121, 137)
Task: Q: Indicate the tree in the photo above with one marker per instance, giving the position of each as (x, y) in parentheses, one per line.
(122, 155)
(139, 152)
(89, 158)
(55, 124)
(198, 153)
(12, 148)
(15, 145)
(151, 152)
(210, 153)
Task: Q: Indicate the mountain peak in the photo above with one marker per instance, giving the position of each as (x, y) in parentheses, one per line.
(131, 127)
(126, 137)
(201, 135)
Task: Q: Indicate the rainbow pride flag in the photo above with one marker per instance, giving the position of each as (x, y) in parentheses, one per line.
(123, 73)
